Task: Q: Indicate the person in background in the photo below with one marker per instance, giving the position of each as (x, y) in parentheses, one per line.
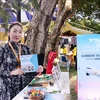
(51, 56)
(71, 47)
(71, 55)
(12, 77)
(75, 56)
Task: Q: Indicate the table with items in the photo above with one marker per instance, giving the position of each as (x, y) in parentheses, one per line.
(45, 88)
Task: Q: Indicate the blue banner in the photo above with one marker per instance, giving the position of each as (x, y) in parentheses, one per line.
(88, 61)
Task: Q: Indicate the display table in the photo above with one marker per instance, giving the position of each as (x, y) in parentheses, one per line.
(66, 87)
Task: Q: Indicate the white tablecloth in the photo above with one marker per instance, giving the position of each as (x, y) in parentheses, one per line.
(65, 77)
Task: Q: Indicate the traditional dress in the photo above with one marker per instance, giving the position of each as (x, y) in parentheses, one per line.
(10, 86)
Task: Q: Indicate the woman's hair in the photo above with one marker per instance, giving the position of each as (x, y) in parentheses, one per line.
(13, 24)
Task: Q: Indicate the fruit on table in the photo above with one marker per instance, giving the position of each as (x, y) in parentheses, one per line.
(35, 92)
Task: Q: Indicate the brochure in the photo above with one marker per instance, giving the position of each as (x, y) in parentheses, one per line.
(29, 63)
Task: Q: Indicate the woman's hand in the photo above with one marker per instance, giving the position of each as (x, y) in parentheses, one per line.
(17, 71)
(40, 69)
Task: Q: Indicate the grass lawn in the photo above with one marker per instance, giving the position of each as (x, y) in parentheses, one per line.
(72, 76)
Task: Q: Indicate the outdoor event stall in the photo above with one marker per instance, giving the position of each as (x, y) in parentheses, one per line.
(49, 86)
(53, 87)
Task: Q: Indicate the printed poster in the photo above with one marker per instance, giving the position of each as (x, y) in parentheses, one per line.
(88, 57)
(29, 63)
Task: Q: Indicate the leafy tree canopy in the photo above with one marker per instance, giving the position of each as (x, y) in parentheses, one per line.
(89, 8)
(87, 15)
(14, 6)
(87, 11)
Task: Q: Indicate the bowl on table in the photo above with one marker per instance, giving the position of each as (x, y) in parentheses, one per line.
(32, 97)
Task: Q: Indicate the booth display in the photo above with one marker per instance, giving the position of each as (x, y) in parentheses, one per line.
(48, 88)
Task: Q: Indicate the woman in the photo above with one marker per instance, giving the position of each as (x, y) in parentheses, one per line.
(12, 78)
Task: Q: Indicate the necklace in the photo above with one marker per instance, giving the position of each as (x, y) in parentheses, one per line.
(17, 56)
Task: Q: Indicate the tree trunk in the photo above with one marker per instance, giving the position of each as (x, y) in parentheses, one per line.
(38, 32)
(53, 40)
(60, 3)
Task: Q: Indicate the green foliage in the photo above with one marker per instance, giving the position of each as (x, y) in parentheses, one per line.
(4, 14)
(16, 5)
(35, 4)
(87, 13)
(87, 24)
(88, 7)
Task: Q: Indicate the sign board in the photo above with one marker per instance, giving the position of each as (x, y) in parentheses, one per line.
(61, 79)
(88, 57)
(29, 63)
(56, 74)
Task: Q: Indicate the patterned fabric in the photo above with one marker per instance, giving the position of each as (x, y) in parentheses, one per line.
(10, 86)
